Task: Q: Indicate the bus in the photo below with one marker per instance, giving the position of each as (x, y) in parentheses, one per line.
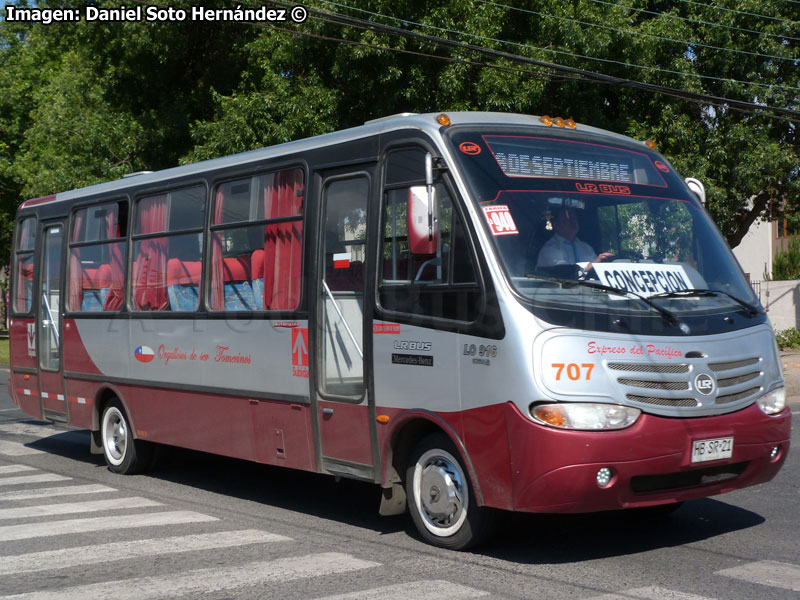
(479, 312)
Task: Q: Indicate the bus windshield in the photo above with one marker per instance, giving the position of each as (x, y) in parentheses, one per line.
(582, 209)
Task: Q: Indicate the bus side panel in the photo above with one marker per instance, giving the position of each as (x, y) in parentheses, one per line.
(81, 396)
(25, 386)
(76, 356)
(198, 421)
(282, 434)
(486, 441)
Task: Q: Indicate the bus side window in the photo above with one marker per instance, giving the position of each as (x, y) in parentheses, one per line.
(97, 258)
(257, 242)
(166, 267)
(23, 266)
(440, 285)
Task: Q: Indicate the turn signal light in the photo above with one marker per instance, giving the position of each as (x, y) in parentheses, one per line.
(443, 119)
(383, 419)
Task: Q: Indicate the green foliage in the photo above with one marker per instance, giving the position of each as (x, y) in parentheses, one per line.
(789, 338)
(83, 102)
(786, 264)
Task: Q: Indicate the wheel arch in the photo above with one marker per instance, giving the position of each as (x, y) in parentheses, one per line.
(407, 430)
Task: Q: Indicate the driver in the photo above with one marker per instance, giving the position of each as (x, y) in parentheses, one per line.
(565, 247)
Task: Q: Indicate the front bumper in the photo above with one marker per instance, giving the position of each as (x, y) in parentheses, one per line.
(556, 471)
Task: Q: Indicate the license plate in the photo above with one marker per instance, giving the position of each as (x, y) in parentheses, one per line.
(705, 450)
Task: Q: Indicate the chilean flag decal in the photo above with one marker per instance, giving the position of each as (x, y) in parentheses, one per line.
(144, 354)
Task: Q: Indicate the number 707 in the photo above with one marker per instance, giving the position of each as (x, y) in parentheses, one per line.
(574, 370)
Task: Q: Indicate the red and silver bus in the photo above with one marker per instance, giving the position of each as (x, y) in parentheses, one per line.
(475, 311)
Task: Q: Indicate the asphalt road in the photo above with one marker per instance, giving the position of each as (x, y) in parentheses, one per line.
(205, 526)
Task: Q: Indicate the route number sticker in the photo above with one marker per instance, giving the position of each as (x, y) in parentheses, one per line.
(500, 220)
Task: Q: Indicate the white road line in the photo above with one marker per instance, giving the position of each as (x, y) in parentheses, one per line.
(71, 490)
(418, 590)
(767, 572)
(16, 449)
(651, 593)
(208, 581)
(50, 528)
(5, 469)
(71, 508)
(89, 555)
(24, 479)
(7, 409)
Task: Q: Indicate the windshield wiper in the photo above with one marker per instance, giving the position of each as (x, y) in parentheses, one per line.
(669, 316)
(751, 310)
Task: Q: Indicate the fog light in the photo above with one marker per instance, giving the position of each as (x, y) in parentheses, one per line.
(776, 451)
(604, 476)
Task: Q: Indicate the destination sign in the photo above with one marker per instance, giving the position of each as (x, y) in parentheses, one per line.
(520, 156)
(646, 279)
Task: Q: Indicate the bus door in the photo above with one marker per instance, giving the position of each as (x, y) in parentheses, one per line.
(344, 411)
(48, 322)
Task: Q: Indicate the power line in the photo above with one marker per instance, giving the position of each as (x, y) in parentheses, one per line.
(741, 12)
(564, 52)
(622, 82)
(688, 43)
(689, 20)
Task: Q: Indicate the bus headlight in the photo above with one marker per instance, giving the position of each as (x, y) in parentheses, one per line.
(773, 402)
(585, 416)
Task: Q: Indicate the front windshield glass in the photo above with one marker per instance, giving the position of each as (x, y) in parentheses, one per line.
(583, 208)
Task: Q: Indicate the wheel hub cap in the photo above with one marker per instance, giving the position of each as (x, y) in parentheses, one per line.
(441, 492)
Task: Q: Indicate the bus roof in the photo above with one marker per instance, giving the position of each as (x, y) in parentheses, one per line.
(426, 122)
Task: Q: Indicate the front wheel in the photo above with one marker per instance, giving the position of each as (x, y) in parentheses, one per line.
(122, 452)
(440, 497)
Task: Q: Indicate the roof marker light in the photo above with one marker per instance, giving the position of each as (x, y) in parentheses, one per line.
(546, 120)
(559, 122)
(650, 144)
(571, 124)
(443, 119)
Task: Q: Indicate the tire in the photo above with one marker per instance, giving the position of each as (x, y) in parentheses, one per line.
(123, 453)
(440, 497)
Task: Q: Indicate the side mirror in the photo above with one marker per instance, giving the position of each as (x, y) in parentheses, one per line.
(423, 220)
(697, 188)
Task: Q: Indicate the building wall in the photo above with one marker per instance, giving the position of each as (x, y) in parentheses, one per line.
(782, 301)
(755, 251)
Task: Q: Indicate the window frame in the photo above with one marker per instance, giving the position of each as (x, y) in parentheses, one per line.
(238, 225)
(30, 313)
(124, 239)
(475, 326)
(134, 237)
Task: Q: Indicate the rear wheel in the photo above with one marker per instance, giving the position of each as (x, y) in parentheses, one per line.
(122, 452)
(440, 497)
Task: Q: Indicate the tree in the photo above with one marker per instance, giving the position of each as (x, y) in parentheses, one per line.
(149, 95)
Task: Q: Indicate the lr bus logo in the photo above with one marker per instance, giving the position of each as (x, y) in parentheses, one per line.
(31, 339)
(300, 352)
(704, 384)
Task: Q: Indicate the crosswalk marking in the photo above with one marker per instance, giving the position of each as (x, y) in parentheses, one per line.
(16, 449)
(418, 590)
(767, 572)
(208, 581)
(72, 526)
(25, 479)
(71, 508)
(5, 469)
(90, 555)
(650, 593)
(71, 490)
